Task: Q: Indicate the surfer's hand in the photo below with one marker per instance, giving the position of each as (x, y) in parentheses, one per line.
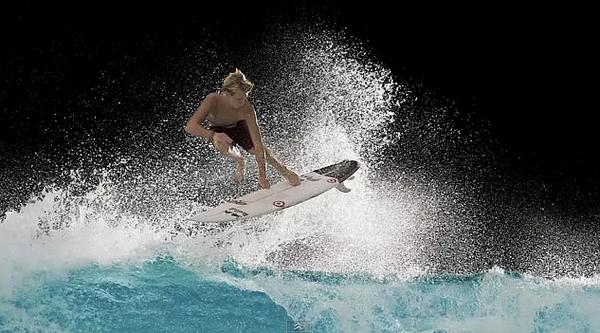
(292, 177)
(263, 182)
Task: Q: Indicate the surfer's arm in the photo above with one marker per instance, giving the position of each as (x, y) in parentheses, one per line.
(194, 125)
(256, 141)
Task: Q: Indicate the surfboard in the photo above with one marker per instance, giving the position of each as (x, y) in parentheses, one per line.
(281, 195)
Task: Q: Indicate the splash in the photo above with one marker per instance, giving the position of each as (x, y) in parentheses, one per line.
(335, 104)
(417, 203)
(57, 233)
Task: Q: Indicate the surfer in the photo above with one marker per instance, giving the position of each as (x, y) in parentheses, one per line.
(232, 122)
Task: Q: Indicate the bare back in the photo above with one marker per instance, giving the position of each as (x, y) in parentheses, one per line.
(222, 114)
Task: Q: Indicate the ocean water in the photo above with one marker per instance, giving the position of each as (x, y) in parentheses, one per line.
(87, 278)
(424, 242)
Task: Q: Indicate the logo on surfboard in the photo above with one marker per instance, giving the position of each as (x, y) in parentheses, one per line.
(237, 213)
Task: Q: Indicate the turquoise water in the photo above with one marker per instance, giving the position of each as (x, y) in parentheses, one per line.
(158, 296)
(163, 295)
(74, 265)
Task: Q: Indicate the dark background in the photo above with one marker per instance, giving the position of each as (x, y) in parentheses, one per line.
(529, 72)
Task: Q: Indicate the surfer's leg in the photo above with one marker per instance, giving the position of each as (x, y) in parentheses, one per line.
(240, 168)
(240, 162)
(289, 175)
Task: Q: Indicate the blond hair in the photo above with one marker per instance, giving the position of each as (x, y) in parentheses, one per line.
(237, 80)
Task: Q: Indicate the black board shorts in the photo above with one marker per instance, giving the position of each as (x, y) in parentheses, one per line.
(238, 132)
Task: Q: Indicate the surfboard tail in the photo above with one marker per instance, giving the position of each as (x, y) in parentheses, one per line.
(342, 188)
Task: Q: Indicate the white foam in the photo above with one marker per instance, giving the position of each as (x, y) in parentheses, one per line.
(87, 239)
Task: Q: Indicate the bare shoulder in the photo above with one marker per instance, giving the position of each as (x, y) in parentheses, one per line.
(210, 103)
(212, 97)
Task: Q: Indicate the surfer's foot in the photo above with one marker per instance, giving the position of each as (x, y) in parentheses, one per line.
(240, 169)
(291, 177)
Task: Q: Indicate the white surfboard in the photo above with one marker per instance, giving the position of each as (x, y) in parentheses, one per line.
(281, 195)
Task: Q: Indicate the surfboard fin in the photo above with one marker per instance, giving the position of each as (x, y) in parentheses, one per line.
(342, 188)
